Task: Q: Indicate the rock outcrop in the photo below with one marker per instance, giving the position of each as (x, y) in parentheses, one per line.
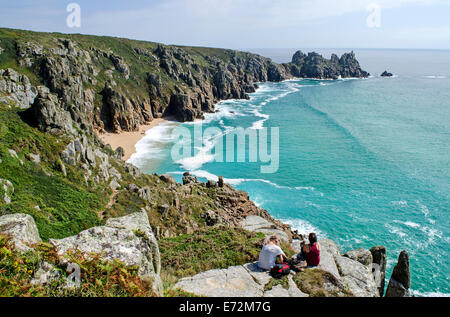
(315, 65)
(128, 239)
(16, 88)
(379, 266)
(6, 191)
(237, 281)
(345, 276)
(258, 224)
(386, 74)
(21, 229)
(400, 281)
(363, 256)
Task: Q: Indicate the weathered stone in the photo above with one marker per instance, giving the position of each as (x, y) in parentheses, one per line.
(210, 217)
(396, 289)
(128, 239)
(357, 277)
(168, 179)
(114, 184)
(90, 156)
(119, 153)
(35, 158)
(16, 89)
(13, 154)
(133, 188)
(22, 230)
(400, 281)
(132, 170)
(145, 193)
(401, 271)
(259, 224)
(328, 251)
(232, 282)
(220, 182)
(379, 266)
(48, 114)
(363, 256)
(6, 190)
(188, 179)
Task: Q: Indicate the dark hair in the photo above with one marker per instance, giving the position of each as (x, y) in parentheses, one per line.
(312, 238)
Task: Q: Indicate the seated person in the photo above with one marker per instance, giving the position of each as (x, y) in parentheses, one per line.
(311, 252)
(269, 253)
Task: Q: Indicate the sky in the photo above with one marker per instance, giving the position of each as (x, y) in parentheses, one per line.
(247, 24)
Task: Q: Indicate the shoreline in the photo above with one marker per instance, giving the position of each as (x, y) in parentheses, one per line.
(128, 139)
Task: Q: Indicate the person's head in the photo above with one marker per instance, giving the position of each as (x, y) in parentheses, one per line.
(273, 239)
(312, 238)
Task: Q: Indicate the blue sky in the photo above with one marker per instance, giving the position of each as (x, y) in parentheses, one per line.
(246, 23)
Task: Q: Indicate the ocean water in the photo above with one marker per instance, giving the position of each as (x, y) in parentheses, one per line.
(362, 161)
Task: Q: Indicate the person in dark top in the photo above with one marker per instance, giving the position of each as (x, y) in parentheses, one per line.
(311, 252)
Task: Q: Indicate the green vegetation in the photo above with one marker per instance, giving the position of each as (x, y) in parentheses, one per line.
(320, 283)
(61, 206)
(98, 278)
(206, 249)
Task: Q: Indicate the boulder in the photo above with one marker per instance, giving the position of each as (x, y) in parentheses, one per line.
(129, 239)
(188, 179)
(258, 224)
(6, 191)
(357, 277)
(220, 182)
(48, 114)
(386, 74)
(400, 281)
(22, 230)
(114, 184)
(363, 256)
(35, 158)
(210, 217)
(168, 179)
(145, 193)
(119, 153)
(132, 170)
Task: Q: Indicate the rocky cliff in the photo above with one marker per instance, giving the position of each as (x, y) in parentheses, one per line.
(57, 91)
(315, 65)
(100, 83)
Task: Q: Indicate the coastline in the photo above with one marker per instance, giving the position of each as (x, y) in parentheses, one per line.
(127, 140)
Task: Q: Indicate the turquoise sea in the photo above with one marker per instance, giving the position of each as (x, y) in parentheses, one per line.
(362, 161)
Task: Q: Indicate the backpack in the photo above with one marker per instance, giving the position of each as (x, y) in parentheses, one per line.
(280, 270)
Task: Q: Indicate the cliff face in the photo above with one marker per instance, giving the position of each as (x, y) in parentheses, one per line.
(117, 84)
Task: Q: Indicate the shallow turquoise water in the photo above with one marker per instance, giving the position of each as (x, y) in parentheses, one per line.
(364, 161)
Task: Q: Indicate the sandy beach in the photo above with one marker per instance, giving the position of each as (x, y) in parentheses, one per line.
(128, 140)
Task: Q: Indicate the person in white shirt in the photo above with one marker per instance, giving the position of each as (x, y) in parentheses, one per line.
(269, 253)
